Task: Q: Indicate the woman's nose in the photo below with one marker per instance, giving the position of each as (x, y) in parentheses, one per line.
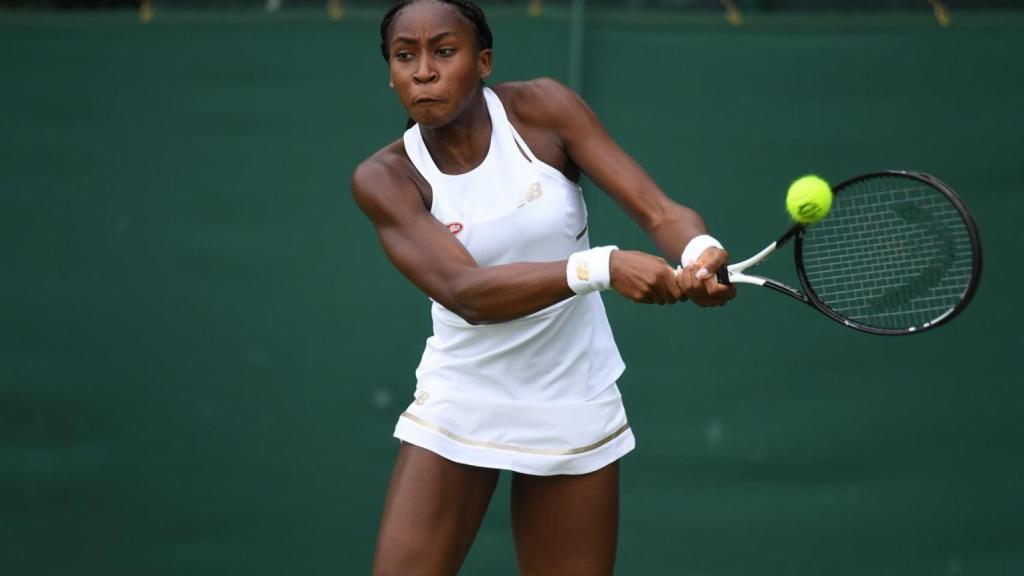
(425, 71)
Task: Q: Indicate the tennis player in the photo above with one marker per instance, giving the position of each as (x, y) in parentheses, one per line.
(478, 205)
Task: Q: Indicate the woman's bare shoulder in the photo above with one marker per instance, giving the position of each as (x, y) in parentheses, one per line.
(540, 101)
(385, 173)
(391, 159)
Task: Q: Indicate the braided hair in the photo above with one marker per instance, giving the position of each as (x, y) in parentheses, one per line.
(469, 10)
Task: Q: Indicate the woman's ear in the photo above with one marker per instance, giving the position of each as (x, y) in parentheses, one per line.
(484, 63)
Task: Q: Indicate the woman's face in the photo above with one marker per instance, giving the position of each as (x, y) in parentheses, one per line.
(434, 62)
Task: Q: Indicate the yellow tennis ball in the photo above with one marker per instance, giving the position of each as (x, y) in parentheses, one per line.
(809, 199)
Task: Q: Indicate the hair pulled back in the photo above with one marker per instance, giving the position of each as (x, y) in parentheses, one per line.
(469, 10)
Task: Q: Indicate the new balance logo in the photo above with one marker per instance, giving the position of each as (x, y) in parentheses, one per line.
(532, 193)
(582, 272)
(421, 397)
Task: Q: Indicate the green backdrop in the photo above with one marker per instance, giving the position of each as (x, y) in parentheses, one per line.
(204, 349)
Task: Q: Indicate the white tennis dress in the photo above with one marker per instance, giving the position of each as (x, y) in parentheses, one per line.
(537, 394)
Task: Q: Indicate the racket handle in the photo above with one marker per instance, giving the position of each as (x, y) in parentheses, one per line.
(723, 276)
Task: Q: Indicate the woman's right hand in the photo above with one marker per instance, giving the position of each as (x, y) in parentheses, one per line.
(644, 278)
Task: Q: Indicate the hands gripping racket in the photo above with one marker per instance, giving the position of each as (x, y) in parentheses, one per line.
(897, 254)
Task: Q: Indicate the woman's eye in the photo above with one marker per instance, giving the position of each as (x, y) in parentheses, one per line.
(446, 51)
(403, 56)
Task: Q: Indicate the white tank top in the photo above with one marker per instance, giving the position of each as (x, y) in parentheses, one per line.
(514, 208)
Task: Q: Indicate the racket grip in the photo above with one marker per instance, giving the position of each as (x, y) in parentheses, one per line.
(723, 276)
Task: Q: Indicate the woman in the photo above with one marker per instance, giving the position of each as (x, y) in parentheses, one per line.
(478, 206)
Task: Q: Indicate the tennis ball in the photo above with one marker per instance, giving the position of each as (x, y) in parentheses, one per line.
(808, 199)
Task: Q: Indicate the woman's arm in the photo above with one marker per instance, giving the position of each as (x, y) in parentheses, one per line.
(431, 258)
(670, 225)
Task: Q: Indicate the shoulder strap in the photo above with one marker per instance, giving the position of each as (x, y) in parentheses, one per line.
(503, 129)
(418, 154)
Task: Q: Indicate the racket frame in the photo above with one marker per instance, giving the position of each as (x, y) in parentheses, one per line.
(734, 272)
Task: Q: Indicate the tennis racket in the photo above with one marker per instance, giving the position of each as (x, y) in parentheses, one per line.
(898, 253)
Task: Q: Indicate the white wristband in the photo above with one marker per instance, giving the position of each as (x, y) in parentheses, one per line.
(696, 247)
(589, 270)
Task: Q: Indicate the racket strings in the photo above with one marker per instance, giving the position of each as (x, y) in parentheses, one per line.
(894, 253)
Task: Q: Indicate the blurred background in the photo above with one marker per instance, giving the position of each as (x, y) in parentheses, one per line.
(203, 350)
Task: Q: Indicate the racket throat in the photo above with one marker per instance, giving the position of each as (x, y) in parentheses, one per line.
(739, 277)
(787, 290)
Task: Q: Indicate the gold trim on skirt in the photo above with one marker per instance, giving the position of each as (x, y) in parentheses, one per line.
(512, 448)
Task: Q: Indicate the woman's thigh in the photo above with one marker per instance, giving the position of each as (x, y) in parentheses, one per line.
(432, 512)
(566, 525)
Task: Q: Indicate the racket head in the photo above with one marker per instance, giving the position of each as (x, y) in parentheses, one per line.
(899, 253)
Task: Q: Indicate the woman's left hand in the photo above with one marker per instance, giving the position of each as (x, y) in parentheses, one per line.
(698, 280)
